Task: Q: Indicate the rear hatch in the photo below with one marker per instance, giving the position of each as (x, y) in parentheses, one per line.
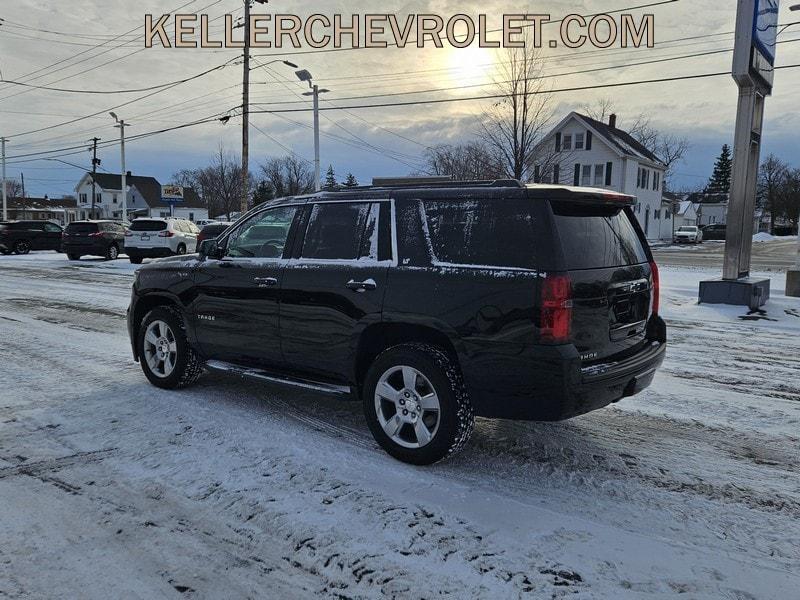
(81, 234)
(611, 278)
(144, 233)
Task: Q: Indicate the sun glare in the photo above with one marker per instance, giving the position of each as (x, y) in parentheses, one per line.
(472, 65)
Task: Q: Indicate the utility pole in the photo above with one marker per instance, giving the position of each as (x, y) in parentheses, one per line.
(22, 178)
(5, 200)
(95, 162)
(124, 173)
(315, 91)
(246, 111)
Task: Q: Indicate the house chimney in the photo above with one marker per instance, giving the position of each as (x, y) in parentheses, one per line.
(612, 121)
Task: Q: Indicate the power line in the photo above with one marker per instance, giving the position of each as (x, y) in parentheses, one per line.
(498, 96)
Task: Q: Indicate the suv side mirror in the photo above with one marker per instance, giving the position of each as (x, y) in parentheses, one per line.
(209, 249)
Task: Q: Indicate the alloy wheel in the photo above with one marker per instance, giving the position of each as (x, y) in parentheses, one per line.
(407, 407)
(160, 349)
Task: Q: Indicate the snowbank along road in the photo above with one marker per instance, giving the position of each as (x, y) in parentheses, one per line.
(238, 489)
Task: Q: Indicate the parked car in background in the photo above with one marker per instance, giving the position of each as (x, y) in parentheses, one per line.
(689, 234)
(717, 231)
(155, 238)
(20, 237)
(433, 302)
(203, 222)
(212, 231)
(94, 238)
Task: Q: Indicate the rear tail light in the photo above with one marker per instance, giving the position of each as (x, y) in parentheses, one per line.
(656, 293)
(165, 234)
(556, 315)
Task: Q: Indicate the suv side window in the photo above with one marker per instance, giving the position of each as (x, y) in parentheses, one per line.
(480, 233)
(52, 228)
(342, 231)
(262, 236)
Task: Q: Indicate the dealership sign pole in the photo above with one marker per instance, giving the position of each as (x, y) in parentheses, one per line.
(753, 71)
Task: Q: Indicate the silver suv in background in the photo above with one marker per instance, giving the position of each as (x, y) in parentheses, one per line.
(155, 238)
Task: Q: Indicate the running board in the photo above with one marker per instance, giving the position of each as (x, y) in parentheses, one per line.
(319, 386)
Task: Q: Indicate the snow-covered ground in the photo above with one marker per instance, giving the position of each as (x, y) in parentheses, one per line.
(112, 488)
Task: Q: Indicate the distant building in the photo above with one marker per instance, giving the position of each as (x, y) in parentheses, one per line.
(583, 151)
(61, 211)
(143, 199)
(686, 215)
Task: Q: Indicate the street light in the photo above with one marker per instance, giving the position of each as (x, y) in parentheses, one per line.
(304, 75)
(124, 175)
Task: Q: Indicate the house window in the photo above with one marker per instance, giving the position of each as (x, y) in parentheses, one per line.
(579, 141)
(191, 216)
(98, 198)
(83, 199)
(658, 215)
(163, 214)
(586, 175)
(599, 175)
(656, 180)
(114, 198)
(567, 142)
(646, 179)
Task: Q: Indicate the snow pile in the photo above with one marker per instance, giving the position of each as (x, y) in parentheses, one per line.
(763, 237)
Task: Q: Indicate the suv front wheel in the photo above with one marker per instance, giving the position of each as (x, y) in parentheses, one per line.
(167, 359)
(416, 405)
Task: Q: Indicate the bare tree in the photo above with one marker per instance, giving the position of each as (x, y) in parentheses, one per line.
(515, 124)
(218, 184)
(464, 162)
(13, 188)
(787, 202)
(288, 176)
(772, 187)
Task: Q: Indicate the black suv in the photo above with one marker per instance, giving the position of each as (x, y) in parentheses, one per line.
(431, 301)
(95, 238)
(20, 237)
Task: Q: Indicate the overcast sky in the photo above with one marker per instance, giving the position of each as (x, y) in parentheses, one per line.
(83, 52)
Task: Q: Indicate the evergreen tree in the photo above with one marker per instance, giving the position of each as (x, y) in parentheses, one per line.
(330, 180)
(350, 181)
(262, 193)
(720, 182)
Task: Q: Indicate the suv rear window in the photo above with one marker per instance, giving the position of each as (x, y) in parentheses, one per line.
(148, 226)
(488, 233)
(78, 228)
(595, 237)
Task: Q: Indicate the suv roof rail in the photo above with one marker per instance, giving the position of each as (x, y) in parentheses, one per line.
(441, 182)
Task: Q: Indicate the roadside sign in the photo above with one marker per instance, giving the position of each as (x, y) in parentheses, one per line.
(171, 193)
(756, 39)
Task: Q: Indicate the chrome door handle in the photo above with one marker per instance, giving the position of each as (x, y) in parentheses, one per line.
(362, 286)
(265, 281)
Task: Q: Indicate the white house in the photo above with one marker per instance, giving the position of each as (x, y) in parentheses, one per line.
(143, 199)
(686, 215)
(583, 151)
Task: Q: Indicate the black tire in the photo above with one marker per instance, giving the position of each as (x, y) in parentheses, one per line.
(135, 260)
(181, 250)
(112, 252)
(22, 247)
(73, 256)
(188, 365)
(456, 417)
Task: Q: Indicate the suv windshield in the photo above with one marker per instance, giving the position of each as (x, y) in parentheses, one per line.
(595, 237)
(148, 226)
(77, 228)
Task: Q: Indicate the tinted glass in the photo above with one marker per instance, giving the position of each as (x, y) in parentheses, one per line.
(495, 233)
(338, 232)
(81, 228)
(596, 237)
(52, 228)
(264, 235)
(148, 226)
(214, 229)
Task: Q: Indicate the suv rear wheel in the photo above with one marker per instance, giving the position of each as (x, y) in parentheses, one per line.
(167, 359)
(416, 405)
(22, 247)
(112, 252)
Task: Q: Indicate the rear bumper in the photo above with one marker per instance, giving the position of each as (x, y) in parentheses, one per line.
(148, 252)
(82, 249)
(553, 384)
